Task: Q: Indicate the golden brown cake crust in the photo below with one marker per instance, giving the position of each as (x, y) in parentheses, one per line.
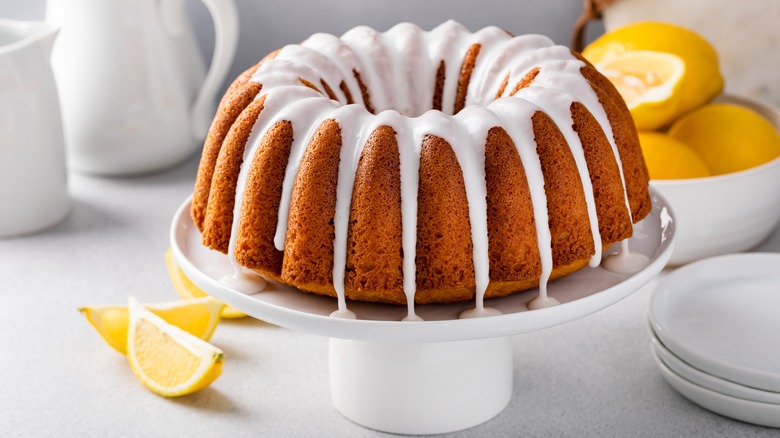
(513, 246)
(438, 89)
(469, 61)
(626, 138)
(568, 212)
(238, 97)
(444, 245)
(255, 247)
(374, 254)
(364, 92)
(219, 211)
(308, 249)
(613, 218)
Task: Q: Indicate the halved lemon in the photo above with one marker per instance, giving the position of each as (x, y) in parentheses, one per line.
(198, 317)
(649, 83)
(702, 80)
(165, 358)
(187, 289)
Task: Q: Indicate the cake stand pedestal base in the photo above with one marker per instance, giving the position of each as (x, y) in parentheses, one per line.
(421, 388)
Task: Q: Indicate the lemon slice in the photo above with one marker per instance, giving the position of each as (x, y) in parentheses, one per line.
(649, 83)
(728, 137)
(168, 360)
(187, 289)
(667, 158)
(198, 317)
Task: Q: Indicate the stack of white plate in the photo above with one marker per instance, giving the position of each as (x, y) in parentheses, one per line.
(715, 328)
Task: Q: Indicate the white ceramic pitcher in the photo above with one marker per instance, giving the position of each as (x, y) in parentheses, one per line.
(33, 178)
(134, 91)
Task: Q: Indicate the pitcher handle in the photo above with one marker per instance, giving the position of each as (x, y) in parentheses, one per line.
(225, 17)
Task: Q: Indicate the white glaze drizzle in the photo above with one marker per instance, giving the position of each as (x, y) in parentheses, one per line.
(352, 121)
(403, 41)
(367, 45)
(446, 43)
(625, 262)
(556, 105)
(493, 68)
(559, 69)
(474, 122)
(243, 280)
(399, 68)
(409, 149)
(316, 66)
(515, 116)
(333, 48)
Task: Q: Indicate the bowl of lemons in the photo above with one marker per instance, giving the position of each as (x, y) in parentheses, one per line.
(715, 157)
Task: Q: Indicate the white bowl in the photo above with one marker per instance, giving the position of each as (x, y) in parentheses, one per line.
(726, 213)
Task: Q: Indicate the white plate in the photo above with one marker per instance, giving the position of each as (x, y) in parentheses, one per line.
(709, 381)
(722, 316)
(763, 414)
(580, 294)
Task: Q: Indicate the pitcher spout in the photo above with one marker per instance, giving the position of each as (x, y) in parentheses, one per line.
(16, 35)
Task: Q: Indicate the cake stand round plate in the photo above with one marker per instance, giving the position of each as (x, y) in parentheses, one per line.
(390, 375)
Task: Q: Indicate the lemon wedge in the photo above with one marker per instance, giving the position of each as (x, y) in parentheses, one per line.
(187, 289)
(198, 317)
(667, 158)
(649, 83)
(728, 137)
(702, 79)
(168, 360)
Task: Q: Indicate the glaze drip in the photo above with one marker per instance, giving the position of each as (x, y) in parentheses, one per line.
(625, 262)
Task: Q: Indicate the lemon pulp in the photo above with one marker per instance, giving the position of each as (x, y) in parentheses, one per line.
(165, 358)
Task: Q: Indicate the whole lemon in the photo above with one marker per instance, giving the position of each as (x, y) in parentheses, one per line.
(728, 137)
(668, 158)
(700, 82)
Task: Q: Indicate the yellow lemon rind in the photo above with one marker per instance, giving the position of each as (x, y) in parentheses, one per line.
(94, 316)
(171, 312)
(729, 137)
(186, 289)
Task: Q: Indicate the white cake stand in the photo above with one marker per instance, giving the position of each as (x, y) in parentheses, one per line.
(440, 375)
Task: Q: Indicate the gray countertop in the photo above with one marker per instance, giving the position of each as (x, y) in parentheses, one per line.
(591, 377)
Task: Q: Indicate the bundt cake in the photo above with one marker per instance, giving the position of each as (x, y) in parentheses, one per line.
(412, 166)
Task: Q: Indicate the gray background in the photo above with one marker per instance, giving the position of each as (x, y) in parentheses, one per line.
(269, 24)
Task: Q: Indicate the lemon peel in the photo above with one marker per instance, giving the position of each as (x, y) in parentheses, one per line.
(728, 137)
(198, 317)
(667, 158)
(188, 290)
